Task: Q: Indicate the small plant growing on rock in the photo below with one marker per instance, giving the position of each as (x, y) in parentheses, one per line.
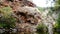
(41, 28)
(6, 18)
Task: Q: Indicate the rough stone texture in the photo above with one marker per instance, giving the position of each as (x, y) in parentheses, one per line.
(27, 18)
(26, 13)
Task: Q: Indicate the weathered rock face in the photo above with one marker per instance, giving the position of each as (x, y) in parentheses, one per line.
(27, 16)
(26, 13)
(15, 3)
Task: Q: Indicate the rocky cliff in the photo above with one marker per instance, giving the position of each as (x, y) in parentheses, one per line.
(26, 14)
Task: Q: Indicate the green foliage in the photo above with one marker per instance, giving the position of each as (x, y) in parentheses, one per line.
(41, 27)
(57, 25)
(41, 9)
(57, 5)
(7, 20)
(6, 11)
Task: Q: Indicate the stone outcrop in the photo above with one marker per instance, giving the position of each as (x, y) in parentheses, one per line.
(27, 17)
(26, 13)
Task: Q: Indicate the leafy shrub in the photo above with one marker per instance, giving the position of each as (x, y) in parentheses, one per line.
(6, 20)
(41, 27)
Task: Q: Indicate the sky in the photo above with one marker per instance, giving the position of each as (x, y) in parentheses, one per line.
(43, 3)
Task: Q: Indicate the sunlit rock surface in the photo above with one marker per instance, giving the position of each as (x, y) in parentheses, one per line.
(28, 17)
(26, 13)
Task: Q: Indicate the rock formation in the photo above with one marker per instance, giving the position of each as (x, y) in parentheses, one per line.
(26, 13)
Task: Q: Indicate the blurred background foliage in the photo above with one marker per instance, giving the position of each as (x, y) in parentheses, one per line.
(57, 10)
(57, 25)
(57, 4)
(41, 9)
(52, 10)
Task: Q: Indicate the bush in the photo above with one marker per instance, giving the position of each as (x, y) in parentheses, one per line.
(6, 19)
(41, 28)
